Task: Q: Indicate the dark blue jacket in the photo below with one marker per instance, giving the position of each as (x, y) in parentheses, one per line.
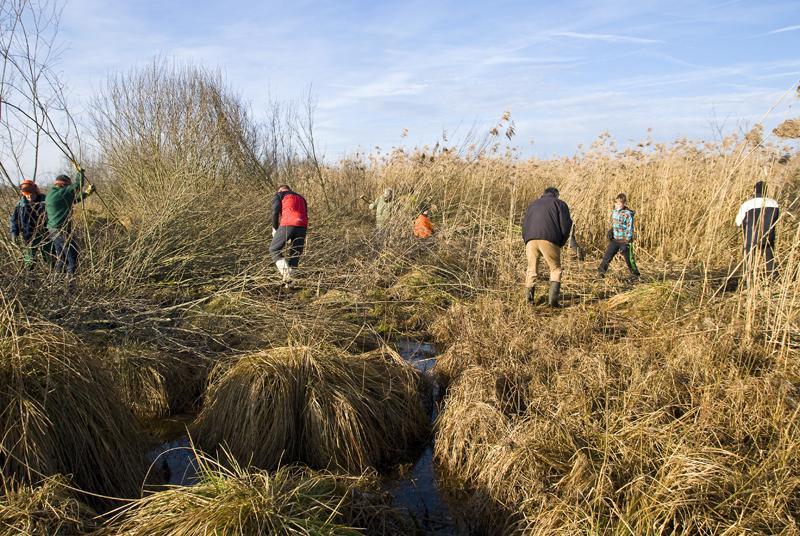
(547, 218)
(28, 218)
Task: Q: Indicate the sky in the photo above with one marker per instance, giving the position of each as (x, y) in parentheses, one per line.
(567, 71)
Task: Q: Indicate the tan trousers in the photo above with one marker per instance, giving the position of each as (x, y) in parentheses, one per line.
(552, 256)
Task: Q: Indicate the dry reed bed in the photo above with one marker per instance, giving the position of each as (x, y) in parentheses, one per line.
(317, 405)
(568, 427)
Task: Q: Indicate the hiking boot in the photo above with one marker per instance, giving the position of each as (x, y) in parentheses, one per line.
(555, 294)
(283, 268)
(634, 278)
(529, 293)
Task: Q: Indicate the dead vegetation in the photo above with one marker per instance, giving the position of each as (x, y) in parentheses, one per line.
(49, 508)
(572, 428)
(789, 129)
(60, 414)
(668, 408)
(290, 500)
(317, 405)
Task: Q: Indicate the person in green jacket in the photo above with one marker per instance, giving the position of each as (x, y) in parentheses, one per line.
(383, 207)
(58, 204)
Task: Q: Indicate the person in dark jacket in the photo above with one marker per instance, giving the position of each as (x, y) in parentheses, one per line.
(758, 218)
(546, 228)
(620, 237)
(289, 225)
(28, 222)
(58, 203)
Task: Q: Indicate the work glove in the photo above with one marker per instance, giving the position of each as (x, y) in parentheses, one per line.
(90, 189)
(274, 231)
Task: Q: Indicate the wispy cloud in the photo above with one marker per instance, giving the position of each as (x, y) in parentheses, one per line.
(398, 84)
(785, 29)
(607, 38)
(500, 59)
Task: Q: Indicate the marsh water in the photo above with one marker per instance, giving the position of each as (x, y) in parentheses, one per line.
(418, 490)
(414, 488)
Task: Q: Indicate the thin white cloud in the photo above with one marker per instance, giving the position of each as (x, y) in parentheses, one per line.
(399, 84)
(607, 38)
(500, 59)
(785, 29)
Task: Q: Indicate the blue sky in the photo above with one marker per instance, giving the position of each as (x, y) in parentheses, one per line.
(567, 71)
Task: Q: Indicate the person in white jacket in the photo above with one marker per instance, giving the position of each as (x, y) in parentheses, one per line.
(758, 218)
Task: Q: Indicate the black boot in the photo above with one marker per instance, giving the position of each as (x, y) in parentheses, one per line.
(555, 293)
(529, 292)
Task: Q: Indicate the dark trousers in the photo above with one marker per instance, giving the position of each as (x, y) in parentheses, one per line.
(765, 253)
(65, 250)
(615, 247)
(295, 236)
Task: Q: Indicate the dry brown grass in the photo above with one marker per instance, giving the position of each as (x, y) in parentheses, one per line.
(47, 509)
(157, 384)
(61, 414)
(291, 500)
(665, 429)
(314, 404)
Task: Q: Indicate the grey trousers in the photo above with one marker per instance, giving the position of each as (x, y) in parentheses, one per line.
(295, 237)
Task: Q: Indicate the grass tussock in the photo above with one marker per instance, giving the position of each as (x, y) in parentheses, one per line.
(156, 384)
(291, 500)
(419, 296)
(60, 413)
(49, 508)
(314, 404)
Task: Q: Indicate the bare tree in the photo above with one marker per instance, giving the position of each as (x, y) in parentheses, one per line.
(33, 107)
(303, 130)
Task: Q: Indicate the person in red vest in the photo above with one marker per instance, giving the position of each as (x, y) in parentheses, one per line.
(423, 227)
(289, 225)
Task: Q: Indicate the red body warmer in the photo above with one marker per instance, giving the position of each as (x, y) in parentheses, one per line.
(293, 210)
